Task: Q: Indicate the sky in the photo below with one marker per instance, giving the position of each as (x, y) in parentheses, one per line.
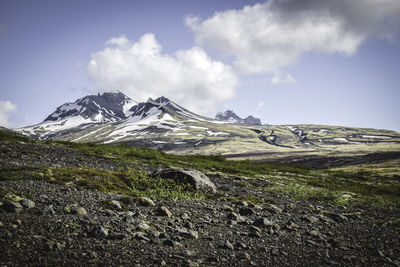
(284, 61)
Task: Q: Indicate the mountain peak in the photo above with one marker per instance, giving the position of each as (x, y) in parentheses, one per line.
(162, 100)
(106, 107)
(231, 116)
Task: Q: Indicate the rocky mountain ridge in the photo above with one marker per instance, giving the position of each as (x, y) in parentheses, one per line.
(231, 116)
(101, 108)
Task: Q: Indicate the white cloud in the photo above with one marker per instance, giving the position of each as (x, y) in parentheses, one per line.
(141, 70)
(6, 107)
(270, 36)
(280, 78)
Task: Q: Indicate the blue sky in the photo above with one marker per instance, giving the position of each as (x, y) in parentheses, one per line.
(285, 62)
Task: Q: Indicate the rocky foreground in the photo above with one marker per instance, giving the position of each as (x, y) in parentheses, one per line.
(43, 223)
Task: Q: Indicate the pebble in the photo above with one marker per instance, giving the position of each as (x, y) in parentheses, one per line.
(192, 263)
(163, 211)
(115, 204)
(80, 211)
(27, 203)
(263, 222)
(143, 226)
(145, 201)
(246, 211)
(171, 243)
(185, 217)
(228, 245)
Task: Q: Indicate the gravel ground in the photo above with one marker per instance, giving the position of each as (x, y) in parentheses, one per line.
(66, 226)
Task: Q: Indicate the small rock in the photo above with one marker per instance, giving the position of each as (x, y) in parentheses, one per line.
(11, 206)
(1, 224)
(263, 222)
(164, 235)
(189, 253)
(273, 209)
(291, 225)
(192, 263)
(67, 209)
(311, 242)
(27, 203)
(139, 235)
(155, 233)
(115, 204)
(245, 211)
(101, 232)
(188, 234)
(94, 255)
(58, 246)
(233, 216)
(228, 245)
(243, 203)
(79, 211)
(315, 233)
(231, 223)
(241, 245)
(171, 243)
(255, 234)
(185, 217)
(245, 256)
(188, 225)
(143, 226)
(49, 210)
(309, 219)
(145, 201)
(254, 229)
(163, 211)
(228, 208)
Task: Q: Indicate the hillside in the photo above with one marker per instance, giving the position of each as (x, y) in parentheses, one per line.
(64, 203)
(164, 125)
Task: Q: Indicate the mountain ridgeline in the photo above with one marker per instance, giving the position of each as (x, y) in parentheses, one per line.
(108, 107)
(230, 116)
(114, 118)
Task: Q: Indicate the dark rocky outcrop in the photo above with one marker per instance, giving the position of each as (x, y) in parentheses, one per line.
(231, 116)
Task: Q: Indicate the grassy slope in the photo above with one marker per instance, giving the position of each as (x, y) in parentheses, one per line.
(197, 137)
(345, 186)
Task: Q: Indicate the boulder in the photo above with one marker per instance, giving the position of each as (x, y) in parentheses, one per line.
(196, 179)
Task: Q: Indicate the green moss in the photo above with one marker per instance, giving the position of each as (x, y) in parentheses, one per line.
(131, 182)
(349, 185)
(10, 136)
(310, 193)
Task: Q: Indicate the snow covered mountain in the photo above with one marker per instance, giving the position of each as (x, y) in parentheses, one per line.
(114, 111)
(107, 107)
(113, 118)
(230, 116)
(91, 109)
